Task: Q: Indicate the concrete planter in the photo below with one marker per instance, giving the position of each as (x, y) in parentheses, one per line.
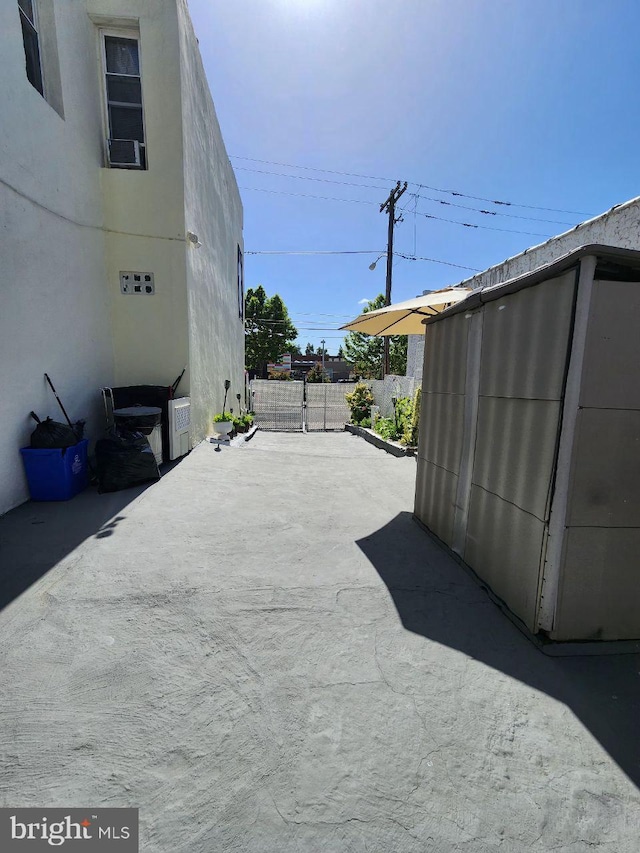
(222, 428)
(392, 447)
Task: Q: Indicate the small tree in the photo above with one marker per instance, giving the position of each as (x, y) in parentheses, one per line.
(309, 349)
(360, 401)
(317, 374)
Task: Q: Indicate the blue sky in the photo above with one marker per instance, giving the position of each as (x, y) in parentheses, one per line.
(535, 102)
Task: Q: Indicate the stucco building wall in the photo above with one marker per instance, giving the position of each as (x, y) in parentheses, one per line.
(213, 212)
(70, 225)
(54, 301)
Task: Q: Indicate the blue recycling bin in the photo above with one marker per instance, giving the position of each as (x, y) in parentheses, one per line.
(56, 474)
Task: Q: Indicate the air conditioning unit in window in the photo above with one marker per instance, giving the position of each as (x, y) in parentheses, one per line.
(124, 153)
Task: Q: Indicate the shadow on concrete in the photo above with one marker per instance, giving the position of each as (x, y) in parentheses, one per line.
(34, 537)
(436, 598)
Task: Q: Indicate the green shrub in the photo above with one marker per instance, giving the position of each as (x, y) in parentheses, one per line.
(360, 401)
(223, 416)
(386, 428)
(365, 422)
(412, 426)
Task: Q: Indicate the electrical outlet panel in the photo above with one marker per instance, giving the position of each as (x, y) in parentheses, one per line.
(137, 283)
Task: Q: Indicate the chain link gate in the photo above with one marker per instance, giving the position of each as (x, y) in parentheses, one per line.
(326, 406)
(280, 405)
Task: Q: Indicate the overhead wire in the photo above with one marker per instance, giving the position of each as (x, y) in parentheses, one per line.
(428, 215)
(406, 257)
(416, 195)
(456, 193)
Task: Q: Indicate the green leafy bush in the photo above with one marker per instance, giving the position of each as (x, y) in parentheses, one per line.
(412, 425)
(386, 428)
(360, 401)
(221, 417)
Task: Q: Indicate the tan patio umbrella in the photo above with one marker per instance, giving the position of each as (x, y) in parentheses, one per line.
(405, 318)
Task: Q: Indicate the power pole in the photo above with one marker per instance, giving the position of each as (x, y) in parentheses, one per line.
(389, 207)
(323, 342)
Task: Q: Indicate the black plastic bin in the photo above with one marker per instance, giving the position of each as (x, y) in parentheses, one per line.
(138, 418)
(147, 395)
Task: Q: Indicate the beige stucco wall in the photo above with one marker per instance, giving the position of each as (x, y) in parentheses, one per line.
(144, 210)
(70, 226)
(52, 284)
(213, 211)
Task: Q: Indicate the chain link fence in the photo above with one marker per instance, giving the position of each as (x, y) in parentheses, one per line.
(278, 405)
(281, 406)
(326, 405)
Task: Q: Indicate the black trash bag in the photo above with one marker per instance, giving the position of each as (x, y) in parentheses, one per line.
(49, 434)
(124, 459)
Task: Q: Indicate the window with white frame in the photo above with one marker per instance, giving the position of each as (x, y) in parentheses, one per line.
(29, 22)
(125, 115)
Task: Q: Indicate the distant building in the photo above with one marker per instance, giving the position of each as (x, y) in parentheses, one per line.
(336, 368)
(121, 242)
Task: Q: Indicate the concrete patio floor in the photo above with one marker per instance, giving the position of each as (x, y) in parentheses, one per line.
(264, 653)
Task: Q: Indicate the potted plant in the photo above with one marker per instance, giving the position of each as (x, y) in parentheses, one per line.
(223, 423)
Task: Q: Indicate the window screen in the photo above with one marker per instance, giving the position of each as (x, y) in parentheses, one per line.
(124, 91)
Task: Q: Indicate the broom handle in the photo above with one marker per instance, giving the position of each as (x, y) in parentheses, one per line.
(64, 411)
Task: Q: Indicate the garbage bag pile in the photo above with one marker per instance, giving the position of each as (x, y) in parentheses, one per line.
(123, 459)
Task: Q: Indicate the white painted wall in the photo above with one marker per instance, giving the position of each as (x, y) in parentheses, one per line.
(69, 226)
(144, 210)
(53, 299)
(619, 226)
(213, 211)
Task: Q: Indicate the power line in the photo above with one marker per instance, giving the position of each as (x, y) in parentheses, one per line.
(363, 252)
(416, 195)
(428, 215)
(308, 195)
(483, 227)
(413, 183)
(434, 261)
(316, 252)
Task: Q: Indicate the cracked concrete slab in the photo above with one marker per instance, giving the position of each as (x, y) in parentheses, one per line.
(265, 654)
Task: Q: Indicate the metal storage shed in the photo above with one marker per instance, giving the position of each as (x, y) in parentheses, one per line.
(529, 454)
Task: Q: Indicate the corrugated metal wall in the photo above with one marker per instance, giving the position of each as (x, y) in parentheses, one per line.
(442, 425)
(599, 593)
(504, 430)
(524, 355)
